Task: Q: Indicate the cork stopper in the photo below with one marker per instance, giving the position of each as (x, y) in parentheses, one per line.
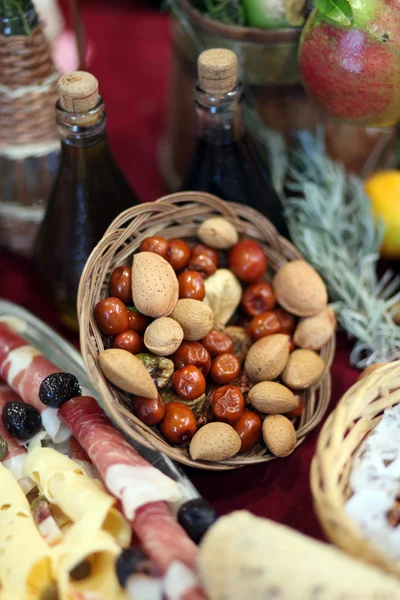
(78, 92)
(217, 71)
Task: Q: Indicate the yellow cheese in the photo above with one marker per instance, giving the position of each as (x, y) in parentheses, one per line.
(25, 567)
(66, 485)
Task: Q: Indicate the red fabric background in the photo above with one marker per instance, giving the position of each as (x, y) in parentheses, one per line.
(131, 58)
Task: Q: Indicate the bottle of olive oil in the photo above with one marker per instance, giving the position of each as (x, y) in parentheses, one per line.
(89, 192)
(225, 161)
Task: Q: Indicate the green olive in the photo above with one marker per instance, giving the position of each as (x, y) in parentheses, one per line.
(50, 593)
(3, 448)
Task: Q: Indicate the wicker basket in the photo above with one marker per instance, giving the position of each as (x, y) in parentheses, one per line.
(357, 413)
(178, 215)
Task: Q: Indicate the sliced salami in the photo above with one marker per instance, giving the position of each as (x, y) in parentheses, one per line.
(15, 458)
(23, 367)
(141, 489)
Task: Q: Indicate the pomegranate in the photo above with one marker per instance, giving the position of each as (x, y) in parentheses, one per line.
(350, 62)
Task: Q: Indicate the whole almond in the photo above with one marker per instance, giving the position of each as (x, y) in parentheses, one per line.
(370, 369)
(272, 398)
(163, 336)
(215, 441)
(195, 318)
(267, 358)
(155, 287)
(314, 332)
(304, 369)
(126, 371)
(218, 233)
(279, 435)
(299, 289)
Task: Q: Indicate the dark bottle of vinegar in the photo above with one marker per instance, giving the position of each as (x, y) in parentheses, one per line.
(89, 192)
(225, 161)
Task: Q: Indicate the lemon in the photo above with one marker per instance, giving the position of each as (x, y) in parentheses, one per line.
(383, 187)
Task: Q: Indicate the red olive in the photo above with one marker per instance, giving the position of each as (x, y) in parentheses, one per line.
(265, 324)
(225, 368)
(137, 321)
(297, 412)
(217, 343)
(247, 261)
(227, 404)
(287, 321)
(192, 353)
(189, 382)
(249, 428)
(191, 285)
(121, 284)
(128, 340)
(156, 244)
(179, 423)
(202, 263)
(178, 254)
(207, 251)
(111, 316)
(258, 298)
(149, 410)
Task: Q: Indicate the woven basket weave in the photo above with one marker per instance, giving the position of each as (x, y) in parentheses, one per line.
(357, 413)
(179, 215)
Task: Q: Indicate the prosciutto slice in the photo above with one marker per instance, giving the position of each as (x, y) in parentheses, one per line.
(141, 489)
(15, 458)
(23, 367)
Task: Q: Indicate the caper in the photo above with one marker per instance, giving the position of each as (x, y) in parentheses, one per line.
(50, 593)
(81, 571)
(3, 448)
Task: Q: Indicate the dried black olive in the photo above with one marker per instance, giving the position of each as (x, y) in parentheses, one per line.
(81, 571)
(196, 516)
(59, 388)
(130, 561)
(21, 420)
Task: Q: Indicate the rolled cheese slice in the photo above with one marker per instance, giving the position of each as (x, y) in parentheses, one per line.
(25, 558)
(66, 485)
(243, 556)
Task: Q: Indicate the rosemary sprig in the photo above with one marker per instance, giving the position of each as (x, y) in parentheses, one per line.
(16, 8)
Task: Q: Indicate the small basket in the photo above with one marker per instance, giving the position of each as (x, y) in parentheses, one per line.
(179, 215)
(356, 415)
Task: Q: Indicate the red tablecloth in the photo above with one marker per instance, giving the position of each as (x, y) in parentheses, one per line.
(131, 58)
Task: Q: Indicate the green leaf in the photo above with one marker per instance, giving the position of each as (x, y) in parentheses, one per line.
(336, 10)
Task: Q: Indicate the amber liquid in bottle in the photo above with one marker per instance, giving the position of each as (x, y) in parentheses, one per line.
(89, 192)
(225, 161)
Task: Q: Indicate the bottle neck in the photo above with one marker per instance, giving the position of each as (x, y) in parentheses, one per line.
(82, 130)
(219, 118)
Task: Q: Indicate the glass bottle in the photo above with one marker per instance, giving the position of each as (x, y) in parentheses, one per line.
(89, 192)
(225, 161)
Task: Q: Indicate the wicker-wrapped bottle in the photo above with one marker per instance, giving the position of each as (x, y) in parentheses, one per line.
(29, 142)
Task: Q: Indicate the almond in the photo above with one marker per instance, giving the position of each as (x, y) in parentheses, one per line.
(214, 441)
(279, 435)
(195, 318)
(314, 332)
(163, 336)
(272, 398)
(370, 369)
(126, 371)
(155, 288)
(218, 233)
(299, 289)
(267, 358)
(303, 370)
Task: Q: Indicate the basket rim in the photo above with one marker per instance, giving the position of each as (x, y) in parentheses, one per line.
(147, 215)
(328, 497)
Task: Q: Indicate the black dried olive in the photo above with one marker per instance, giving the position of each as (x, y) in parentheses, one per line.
(81, 571)
(196, 516)
(21, 420)
(130, 561)
(59, 388)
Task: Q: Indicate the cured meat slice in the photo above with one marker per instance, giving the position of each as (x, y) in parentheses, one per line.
(15, 458)
(24, 368)
(141, 487)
